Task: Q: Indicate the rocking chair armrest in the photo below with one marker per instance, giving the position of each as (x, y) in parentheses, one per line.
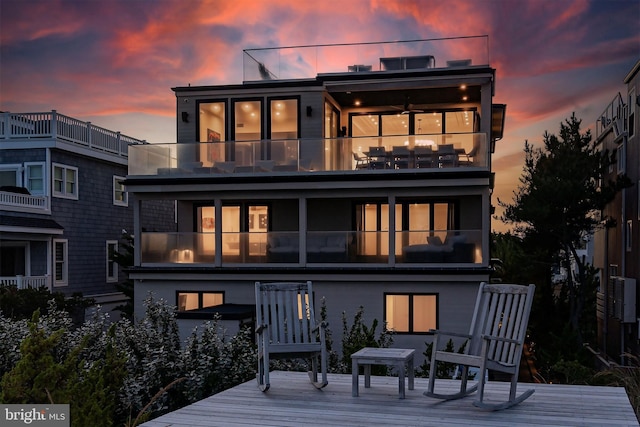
(449, 334)
(261, 328)
(502, 339)
(321, 325)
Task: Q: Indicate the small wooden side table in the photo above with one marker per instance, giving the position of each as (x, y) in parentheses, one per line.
(398, 357)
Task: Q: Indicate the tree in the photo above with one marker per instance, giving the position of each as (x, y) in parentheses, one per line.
(125, 260)
(563, 187)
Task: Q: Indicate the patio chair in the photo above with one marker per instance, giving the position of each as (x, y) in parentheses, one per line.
(362, 162)
(286, 329)
(495, 342)
(378, 158)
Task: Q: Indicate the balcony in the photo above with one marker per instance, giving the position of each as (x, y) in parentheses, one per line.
(25, 282)
(411, 248)
(389, 154)
(298, 62)
(23, 202)
(30, 126)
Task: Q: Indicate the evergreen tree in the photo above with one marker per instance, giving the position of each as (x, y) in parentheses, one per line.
(563, 189)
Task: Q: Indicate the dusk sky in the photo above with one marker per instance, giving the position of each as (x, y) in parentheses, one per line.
(114, 62)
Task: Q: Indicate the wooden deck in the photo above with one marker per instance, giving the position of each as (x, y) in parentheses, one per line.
(293, 401)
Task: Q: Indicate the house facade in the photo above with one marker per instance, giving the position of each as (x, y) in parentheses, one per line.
(364, 168)
(63, 204)
(617, 254)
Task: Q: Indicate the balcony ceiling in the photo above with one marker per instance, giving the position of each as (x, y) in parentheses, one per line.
(418, 98)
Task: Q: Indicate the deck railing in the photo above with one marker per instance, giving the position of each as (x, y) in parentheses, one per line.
(613, 117)
(311, 154)
(297, 62)
(15, 126)
(459, 247)
(24, 282)
(10, 200)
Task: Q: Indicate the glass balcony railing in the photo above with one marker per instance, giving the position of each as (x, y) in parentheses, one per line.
(297, 62)
(320, 247)
(388, 153)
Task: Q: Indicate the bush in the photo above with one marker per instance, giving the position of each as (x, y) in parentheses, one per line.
(359, 336)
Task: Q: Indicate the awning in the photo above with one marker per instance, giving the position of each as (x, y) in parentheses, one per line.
(30, 225)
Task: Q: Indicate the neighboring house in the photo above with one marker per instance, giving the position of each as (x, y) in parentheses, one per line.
(63, 204)
(364, 168)
(617, 253)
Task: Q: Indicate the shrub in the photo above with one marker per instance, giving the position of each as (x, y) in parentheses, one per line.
(359, 336)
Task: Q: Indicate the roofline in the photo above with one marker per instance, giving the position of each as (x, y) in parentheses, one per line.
(320, 79)
(633, 72)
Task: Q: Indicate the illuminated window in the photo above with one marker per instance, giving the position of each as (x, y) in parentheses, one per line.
(119, 193)
(411, 313)
(194, 300)
(65, 181)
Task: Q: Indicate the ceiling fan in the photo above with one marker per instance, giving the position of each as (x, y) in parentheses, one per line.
(407, 107)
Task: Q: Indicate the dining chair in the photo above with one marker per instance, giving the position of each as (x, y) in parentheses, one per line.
(378, 158)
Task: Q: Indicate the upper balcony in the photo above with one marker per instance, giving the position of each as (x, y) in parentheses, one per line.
(15, 128)
(385, 154)
(298, 62)
(613, 117)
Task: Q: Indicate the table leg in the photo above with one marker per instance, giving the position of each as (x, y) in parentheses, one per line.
(354, 378)
(401, 374)
(367, 375)
(411, 373)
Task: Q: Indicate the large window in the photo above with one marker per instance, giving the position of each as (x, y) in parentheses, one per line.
(61, 262)
(65, 181)
(411, 313)
(247, 120)
(112, 266)
(212, 129)
(414, 222)
(194, 300)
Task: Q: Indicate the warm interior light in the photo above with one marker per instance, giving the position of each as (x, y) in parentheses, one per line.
(357, 103)
(463, 87)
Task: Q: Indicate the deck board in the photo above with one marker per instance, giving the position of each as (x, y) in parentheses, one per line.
(292, 401)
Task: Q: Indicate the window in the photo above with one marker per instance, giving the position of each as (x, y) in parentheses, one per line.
(61, 262)
(621, 157)
(248, 120)
(119, 193)
(65, 181)
(629, 235)
(632, 116)
(411, 313)
(212, 130)
(198, 299)
(34, 178)
(10, 176)
(112, 266)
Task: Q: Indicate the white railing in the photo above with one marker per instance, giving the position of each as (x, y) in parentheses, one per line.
(24, 282)
(23, 200)
(54, 125)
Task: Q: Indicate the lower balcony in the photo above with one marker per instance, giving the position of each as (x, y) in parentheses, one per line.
(25, 282)
(449, 247)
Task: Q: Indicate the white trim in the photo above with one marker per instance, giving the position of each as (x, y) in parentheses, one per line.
(109, 263)
(629, 235)
(63, 194)
(125, 195)
(631, 114)
(64, 281)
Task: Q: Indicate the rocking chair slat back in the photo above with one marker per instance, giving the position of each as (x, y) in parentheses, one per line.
(287, 311)
(501, 312)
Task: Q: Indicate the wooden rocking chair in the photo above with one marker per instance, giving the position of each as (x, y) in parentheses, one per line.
(286, 329)
(496, 340)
